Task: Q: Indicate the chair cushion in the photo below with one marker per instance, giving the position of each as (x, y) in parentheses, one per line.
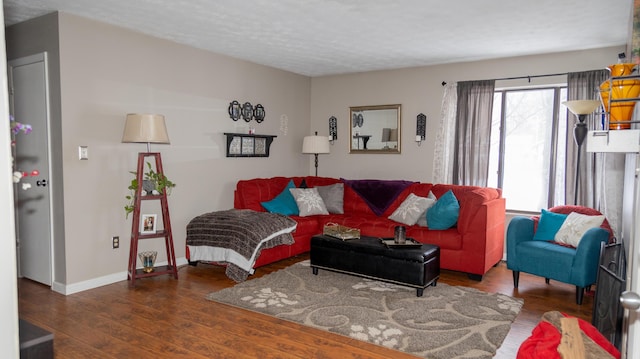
(546, 259)
(575, 226)
(548, 225)
(567, 209)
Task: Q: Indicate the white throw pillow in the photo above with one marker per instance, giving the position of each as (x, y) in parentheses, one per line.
(422, 221)
(309, 201)
(575, 226)
(411, 209)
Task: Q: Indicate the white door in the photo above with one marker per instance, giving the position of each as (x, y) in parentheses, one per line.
(28, 98)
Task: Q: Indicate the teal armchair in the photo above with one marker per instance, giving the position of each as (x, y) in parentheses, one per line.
(547, 259)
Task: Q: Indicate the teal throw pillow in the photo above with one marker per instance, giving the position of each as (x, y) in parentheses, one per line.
(444, 213)
(284, 203)
(548, 225)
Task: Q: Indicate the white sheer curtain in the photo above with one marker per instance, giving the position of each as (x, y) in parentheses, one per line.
(445, 137)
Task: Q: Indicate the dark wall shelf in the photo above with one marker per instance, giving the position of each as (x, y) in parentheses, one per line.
(248, 145)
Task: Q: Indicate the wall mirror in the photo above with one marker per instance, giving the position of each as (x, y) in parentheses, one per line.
(375, 129)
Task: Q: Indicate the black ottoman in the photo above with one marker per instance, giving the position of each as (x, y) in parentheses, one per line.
(417, 267)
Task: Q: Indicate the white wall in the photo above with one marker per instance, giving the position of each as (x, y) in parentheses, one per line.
(420, 90)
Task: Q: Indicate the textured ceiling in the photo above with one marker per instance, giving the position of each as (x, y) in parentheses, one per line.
(323, 37)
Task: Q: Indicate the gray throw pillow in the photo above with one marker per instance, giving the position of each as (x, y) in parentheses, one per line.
(410, 210)
(333, 197)
(309, 201)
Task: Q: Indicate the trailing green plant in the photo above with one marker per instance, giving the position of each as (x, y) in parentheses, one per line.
(159, 181)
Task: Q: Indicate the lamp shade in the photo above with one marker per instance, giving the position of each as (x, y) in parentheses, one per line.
(145, 128)
(315, 144)
(386, 135)
(582, 107)
(393, 135)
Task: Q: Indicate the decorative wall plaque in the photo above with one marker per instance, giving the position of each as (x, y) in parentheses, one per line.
(248, 145)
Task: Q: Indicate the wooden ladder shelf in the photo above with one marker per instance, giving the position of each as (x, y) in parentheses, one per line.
(165, 233)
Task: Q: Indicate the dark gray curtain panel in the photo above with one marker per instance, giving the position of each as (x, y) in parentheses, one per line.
(473, 132)
(583, 86)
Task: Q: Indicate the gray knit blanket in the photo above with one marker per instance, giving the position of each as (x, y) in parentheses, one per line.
(236, 237)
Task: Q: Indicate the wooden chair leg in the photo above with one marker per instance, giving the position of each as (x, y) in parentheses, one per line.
(579, 295)
(516, 278)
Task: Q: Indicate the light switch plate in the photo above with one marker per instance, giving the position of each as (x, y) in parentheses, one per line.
(83, 152)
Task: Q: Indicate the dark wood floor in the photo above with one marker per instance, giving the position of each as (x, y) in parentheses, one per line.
(166, 318)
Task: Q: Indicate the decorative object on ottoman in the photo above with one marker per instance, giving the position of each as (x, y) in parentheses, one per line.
(341, 232)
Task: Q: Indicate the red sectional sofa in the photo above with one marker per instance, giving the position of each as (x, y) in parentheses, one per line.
(473, 246)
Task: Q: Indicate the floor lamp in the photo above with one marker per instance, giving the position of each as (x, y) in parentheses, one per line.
(580, 108)
(315, 145)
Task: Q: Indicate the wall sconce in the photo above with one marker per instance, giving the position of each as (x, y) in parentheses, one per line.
(246, 111)
(333, 129)
(421, 128)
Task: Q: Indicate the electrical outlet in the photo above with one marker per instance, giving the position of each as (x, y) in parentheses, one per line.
(116, 242)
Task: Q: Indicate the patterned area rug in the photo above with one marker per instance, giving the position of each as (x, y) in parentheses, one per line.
(446, 322)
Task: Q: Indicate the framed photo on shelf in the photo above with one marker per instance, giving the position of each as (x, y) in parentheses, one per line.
(148, 223)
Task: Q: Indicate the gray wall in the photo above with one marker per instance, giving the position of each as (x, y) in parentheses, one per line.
(420, 90)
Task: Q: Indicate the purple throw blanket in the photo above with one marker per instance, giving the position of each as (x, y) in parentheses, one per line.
(378, 194)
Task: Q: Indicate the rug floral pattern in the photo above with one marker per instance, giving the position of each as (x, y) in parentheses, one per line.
(446, 322)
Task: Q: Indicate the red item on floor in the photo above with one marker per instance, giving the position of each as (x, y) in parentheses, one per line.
(545, 338)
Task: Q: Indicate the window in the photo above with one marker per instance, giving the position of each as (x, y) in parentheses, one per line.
(528, 141)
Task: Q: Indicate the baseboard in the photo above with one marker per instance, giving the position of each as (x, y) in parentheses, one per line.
(101, 281)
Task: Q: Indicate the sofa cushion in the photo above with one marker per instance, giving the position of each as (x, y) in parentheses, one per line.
(309, 201)
(444, 213)
(333, 197)
(307, 226)
(411, 209)
(283, 203)
(548, 225)
(422, 220)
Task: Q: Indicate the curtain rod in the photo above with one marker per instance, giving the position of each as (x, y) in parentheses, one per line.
(523, 77)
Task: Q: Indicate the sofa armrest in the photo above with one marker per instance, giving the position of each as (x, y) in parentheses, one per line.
(585, 268)
(481, 226)
(520, 230)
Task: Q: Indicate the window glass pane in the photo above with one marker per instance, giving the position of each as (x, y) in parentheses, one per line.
(528, 130)
(561, 152)
(494, 149)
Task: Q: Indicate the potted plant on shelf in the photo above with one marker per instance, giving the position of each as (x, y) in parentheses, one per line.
(153, 183)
